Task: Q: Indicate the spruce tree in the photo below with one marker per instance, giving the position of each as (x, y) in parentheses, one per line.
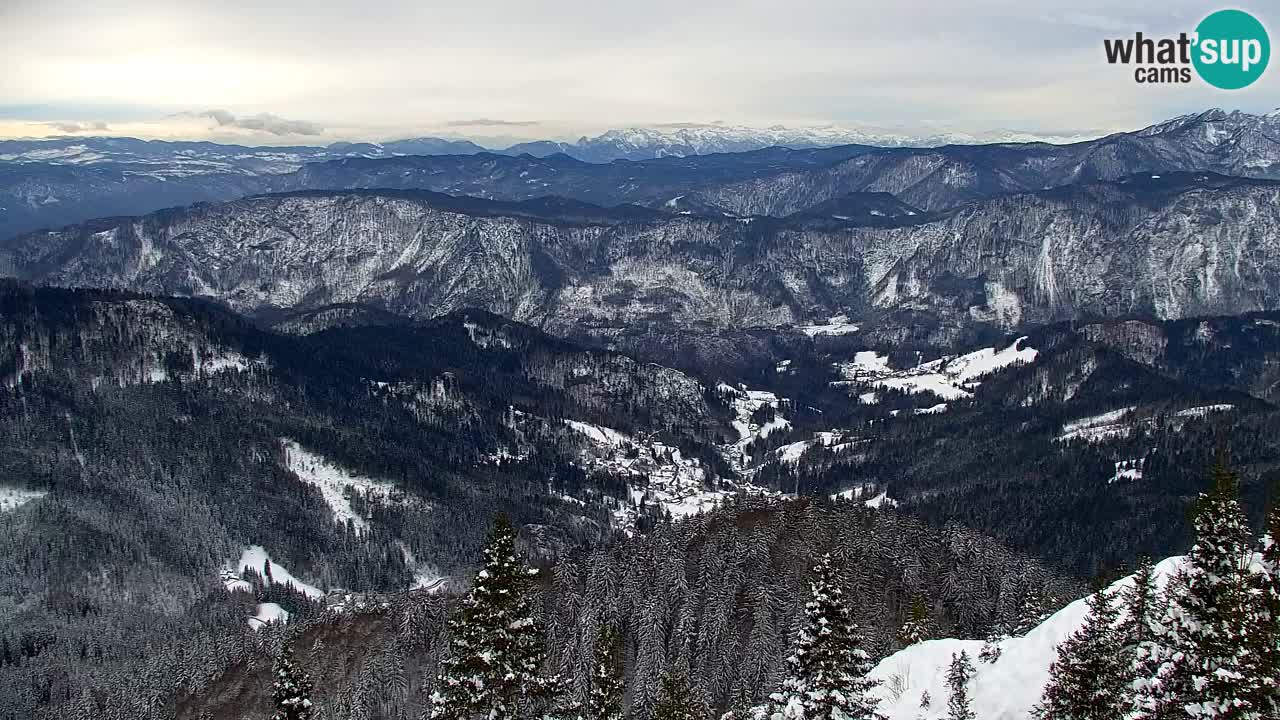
(1087, 681)
(1202, 668)
(919, 625)
(607, 687)
(495, 643)
(679, 702)
(291, 690)
(959, 706)
(828, 670)
(1141, 631)
(1264, 664)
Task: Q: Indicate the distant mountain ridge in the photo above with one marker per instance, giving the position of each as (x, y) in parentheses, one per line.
(1166, 246)
(76, 183)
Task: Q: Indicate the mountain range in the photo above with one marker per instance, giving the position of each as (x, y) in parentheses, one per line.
(1164, 246)
(772, 181)
(252, 397)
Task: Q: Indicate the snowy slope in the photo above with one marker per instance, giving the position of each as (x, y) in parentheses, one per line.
(334, 482)
(255, 557)
(1004, 690)
(951, 378)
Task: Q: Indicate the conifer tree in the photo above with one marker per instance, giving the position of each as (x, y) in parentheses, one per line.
(679, 702)
(291, 690)
(828, 670)
(495, 644)
(959, 706)
(1087, 681)
(1140, 601)
(1201, 667)
(607, 687)
(1141, 630)
(919, 625)
(1264, 665)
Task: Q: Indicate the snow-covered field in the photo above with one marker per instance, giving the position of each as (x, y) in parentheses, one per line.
(255, 557)
(1098, 427)
(334, 482)
(1004, 690)
(13, 498)
(268, 613)
(950, 378)
(837, 325)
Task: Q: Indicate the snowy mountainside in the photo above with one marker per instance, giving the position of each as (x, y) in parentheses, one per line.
(950, 378)
(1007, 689)
(426, 255)
(49, 184)
(681, 140)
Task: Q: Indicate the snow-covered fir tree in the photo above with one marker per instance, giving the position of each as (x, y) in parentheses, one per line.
(991, 649)
(1199, 665)
(679, 701)
(605, 699)
(919, 625)
(1088, 680)
(495, 643)
(1141, 630)
(1031, 612)
(291, 689)
(827, 672)
(1264, 664)
(959, 706)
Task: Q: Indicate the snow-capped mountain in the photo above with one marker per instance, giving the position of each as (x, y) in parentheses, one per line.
(684, 140)
(1161, 246)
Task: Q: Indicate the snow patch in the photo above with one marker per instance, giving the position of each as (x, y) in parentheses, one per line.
(1097, 428)
(267, 613)
(334, 482)
(12, 498)
(1007, 689)
(950, 378)
(255, 557)
(836, 325)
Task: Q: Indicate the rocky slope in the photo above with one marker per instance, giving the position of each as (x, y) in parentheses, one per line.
(1164, 246)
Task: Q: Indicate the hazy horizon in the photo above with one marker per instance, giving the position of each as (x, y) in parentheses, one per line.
(499, 72)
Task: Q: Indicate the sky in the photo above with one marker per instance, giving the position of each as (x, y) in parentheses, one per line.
(504, 70)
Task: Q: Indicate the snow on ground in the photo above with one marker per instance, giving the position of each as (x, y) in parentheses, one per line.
(676, 483)
(256, 557)
(1100, 427)
(602, 435)
(831, 439)
(951, 378)
(882, 499)
(746, 402)
(1004, 690)
(13, 498)
(268, 613)
(1202, 411)
(1128, 470)
(334, 482)
(836, 325)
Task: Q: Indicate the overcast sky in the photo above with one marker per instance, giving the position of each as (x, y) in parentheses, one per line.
(326, 70)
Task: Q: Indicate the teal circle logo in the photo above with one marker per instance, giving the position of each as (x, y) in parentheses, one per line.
(1232, 49)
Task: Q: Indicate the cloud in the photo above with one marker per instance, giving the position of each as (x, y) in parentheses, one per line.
(490, 122)
(72, 128)
(263, 122)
